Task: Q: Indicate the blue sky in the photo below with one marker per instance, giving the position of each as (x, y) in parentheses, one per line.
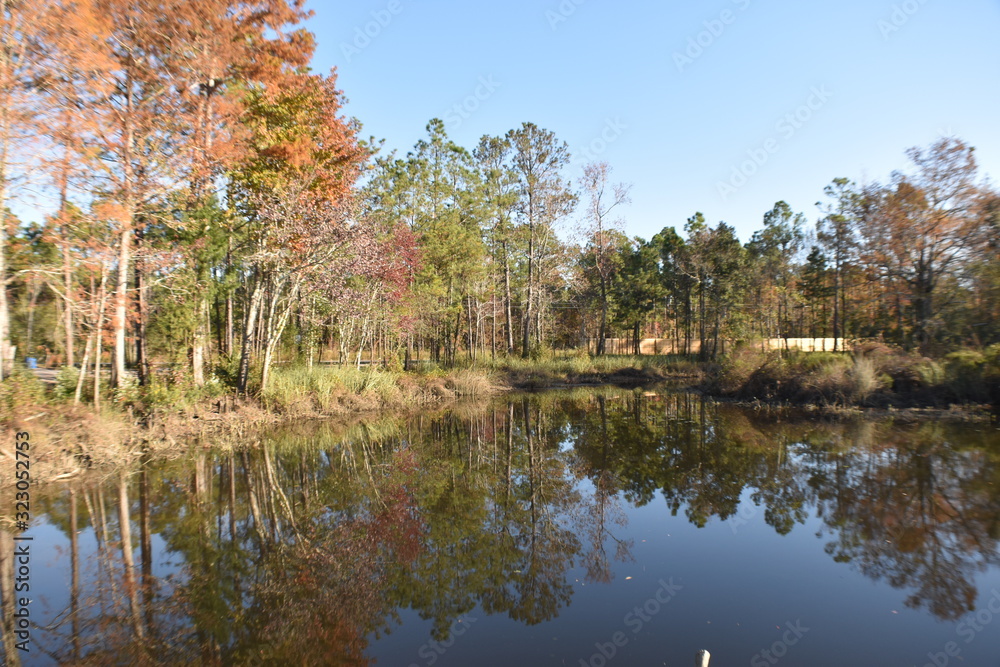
(723, 107)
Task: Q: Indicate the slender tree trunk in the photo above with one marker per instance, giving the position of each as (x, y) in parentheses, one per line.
(128, 558)
(275, 331)
(142, 315)
(99, 326)
(508, 306)
(249, 330)
(69, 329)
(125, 242)
(74, 589)
(229, 299)
(526, 327)
(201, 337)
(219, 328)
(5, 111)
(29, 337)
(83, 370)
(603, 329)
(836, 306)
(4, 312)
(121, 305)
(701, 320)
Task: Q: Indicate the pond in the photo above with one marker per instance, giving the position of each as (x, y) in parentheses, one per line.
(588, 528)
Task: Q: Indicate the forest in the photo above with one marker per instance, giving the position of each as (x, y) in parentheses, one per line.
(216, 215)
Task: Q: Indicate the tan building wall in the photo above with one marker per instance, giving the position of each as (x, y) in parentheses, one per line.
(667, 345)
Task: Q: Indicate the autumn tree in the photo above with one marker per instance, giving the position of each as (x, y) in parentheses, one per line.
(137, 120)
(922, 227)
(224, 46)
(294, 191)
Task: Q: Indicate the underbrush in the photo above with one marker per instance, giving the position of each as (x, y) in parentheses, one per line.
(328, 390)
(19, 393)
(580, 367)
(871, 375)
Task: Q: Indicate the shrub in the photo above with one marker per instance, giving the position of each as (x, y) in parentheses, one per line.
(21, 390)
(832, 381)
(749, 371)
(471, 383)
(914, 374)
(966, 372)
(66, 380)
(864, 380)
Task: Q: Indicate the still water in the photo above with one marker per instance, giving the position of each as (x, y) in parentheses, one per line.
(595, 528)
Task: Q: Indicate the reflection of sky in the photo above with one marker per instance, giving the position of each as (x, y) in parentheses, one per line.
(742, 584)
(51, 577)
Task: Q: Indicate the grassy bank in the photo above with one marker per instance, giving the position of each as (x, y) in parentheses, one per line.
(872, 376)
(158, 420)
(339, 389)
(155, 420)
(583, 370)
(334, 390)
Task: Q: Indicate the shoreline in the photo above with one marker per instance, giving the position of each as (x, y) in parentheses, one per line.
(79, 439)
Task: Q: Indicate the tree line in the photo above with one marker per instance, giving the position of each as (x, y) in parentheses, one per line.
(214, 209)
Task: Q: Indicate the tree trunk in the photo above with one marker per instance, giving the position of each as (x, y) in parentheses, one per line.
(602, 332)
(29, 337)
(142, 317)
(128, 558)
(836, 306)
(99, 326)
(508, 307)
(253, 310)
(5, 82)
(68, 325)
(83, 370)
(526, 327)
(201, 337)
(274, 333)
(121, 305)
(4, 312)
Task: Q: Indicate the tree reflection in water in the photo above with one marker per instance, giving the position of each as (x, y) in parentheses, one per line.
(306, 544)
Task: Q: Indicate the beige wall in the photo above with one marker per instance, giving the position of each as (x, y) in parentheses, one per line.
(666, 345)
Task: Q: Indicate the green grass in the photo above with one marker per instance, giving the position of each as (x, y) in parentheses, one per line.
(300, 386)
(328, 389)
(567, 366)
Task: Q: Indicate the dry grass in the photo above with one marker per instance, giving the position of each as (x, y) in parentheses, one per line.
(872, 376)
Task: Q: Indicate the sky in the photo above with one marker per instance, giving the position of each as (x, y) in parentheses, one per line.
(723, 107)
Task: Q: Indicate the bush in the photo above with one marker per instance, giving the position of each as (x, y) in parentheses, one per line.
(21, 390)
(66, 380)
(750, 372)
(864, 379)
(966, 372)
(471, 383)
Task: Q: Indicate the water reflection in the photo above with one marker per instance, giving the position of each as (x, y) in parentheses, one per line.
(312, 541)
